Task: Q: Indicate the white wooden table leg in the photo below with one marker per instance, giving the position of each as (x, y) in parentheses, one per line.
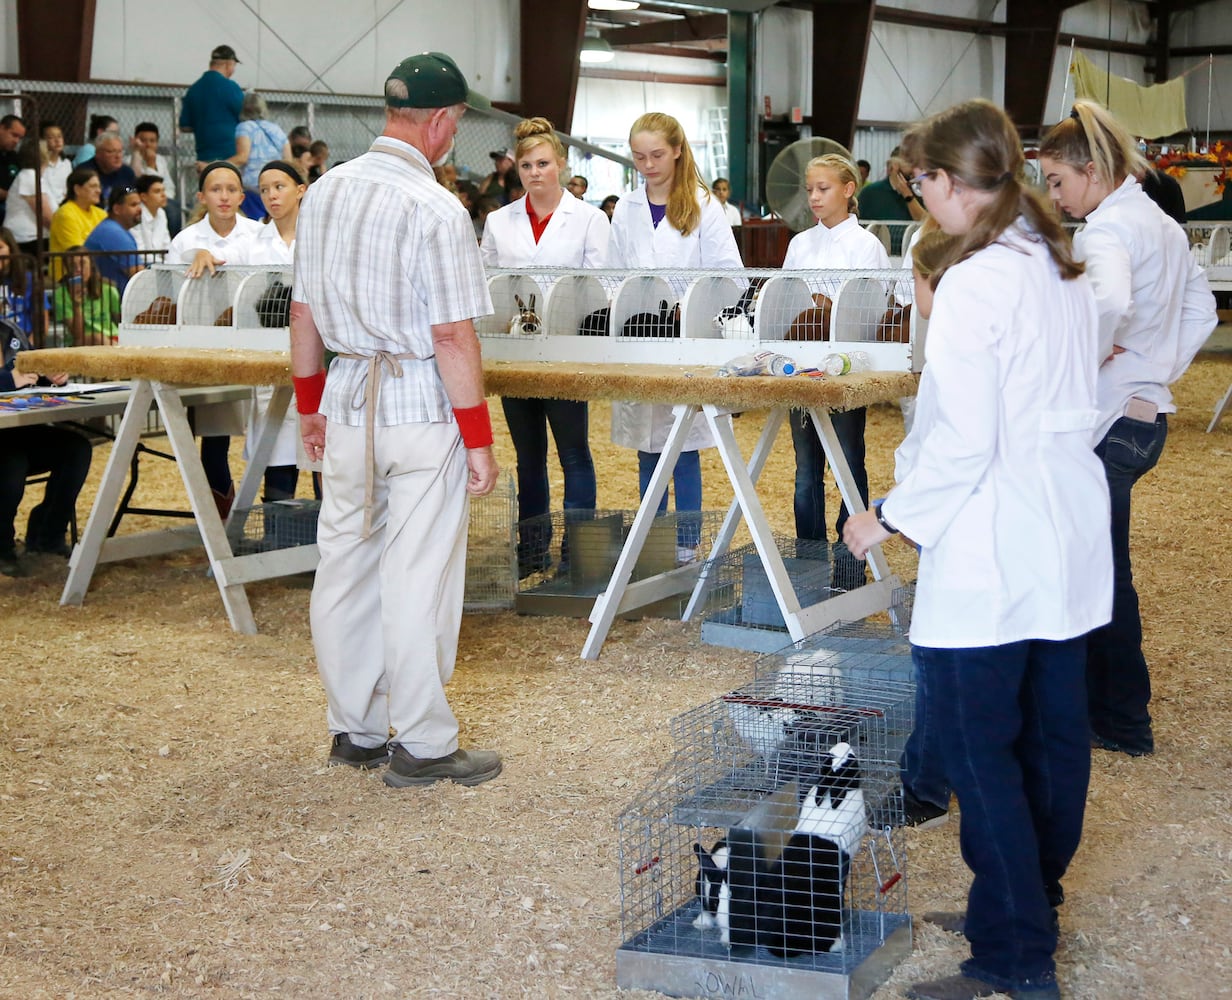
(608, 603)
(722, 542)
(1220, 409)
(262, 447)
(84, 560)
(759, 526)
(213, 534)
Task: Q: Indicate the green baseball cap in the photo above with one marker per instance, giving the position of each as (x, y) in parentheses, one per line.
(432, 80)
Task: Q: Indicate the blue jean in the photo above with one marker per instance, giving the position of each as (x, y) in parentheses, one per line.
(1012, 732)
(922, 766)
(810, 498)
(528, 421)
(687, 483)
(1118, 680)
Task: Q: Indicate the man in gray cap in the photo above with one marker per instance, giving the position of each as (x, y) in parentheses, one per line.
(212, 106)
(388, 276)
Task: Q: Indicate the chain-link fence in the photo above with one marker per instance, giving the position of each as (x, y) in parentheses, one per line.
(347, 123)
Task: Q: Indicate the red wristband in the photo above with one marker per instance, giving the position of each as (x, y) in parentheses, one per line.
(308, 392)
(475, 425)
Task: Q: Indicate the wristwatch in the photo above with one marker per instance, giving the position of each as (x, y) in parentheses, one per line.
(882, 521)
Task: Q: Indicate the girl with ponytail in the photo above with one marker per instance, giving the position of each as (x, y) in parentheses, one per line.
(1155, 311)
(999, 486)
(670, 222)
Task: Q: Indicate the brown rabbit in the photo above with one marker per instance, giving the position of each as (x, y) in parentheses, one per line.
(159, 312)
(814, 323)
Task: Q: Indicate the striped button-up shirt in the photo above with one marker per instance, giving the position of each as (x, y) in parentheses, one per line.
(382, 254)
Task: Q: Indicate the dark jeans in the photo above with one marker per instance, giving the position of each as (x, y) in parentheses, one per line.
(687, 484)
(1118, 681)
(810, 499)
(28, 451)
(528, 421)
(280, 482)
(1012, 732)
(217, 464)
(922, 766)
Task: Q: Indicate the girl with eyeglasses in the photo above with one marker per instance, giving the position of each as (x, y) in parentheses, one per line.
(999, 485)
(1155, 310)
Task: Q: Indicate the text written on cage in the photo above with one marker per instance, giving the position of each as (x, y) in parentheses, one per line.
(716, 984)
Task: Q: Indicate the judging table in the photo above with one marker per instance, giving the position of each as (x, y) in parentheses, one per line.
(159, 374)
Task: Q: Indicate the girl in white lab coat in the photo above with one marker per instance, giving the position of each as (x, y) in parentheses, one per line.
(999, 484)
(837, 241)
(548, 227)
(1155, 311)
(281, 187)
(221, 192)
(670, 222)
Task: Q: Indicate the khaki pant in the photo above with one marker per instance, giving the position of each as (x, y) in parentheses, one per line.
(386, 609)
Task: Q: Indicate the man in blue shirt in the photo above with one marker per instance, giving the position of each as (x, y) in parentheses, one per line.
(211, 108)
(109, 164)
(118, 260)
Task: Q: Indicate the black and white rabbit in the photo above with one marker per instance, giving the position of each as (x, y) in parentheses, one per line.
(527, 320)
(761, 723)
(834, 807)
(711, 881)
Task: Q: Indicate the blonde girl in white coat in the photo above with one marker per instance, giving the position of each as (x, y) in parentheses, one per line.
(670, 222)
(999, 484)
(1155, 310)
(548, 227)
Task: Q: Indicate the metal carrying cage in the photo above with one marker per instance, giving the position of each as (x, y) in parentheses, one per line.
(754, 772)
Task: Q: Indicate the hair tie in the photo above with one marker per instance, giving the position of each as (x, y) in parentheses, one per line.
(1073, 113)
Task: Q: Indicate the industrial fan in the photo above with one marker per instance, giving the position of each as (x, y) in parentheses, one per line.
(785, 180)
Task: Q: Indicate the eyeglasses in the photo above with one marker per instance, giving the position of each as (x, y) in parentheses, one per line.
(916, 183)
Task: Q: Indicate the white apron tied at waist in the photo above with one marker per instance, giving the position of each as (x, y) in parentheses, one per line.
(380, 363)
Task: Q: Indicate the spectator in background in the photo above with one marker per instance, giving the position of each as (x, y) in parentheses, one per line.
(608, 206)
(118, 260)
(495, 184)
(1163, 189)
(146, 159)
(77, 215)
(300, 134)
(485, 205)
(891, 200)
(257, 141)
(88, 306)
(578, 186)
(12, 131)
(98, 125)
(109, 164)
(513, 187)
(58, 167)
(151, 231)
(301, 157)
(320, 156)
(28, 220)
(16, 284)
(447, 176)
(866, 170)
(212, 107)
(721, 188)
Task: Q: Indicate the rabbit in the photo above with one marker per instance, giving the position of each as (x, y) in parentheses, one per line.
(801, 909)
(664, 323)
(834, 807)
(527, 320)
(736, 322)
(711, 879)
(595, 324)
(762, 726)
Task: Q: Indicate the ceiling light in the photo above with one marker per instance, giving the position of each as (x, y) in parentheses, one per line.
(613, 4)
(595, 49)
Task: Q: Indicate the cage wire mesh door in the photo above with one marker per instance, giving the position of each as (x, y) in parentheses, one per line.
(767, 857)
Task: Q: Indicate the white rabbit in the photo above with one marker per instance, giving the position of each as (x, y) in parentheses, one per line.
(762, 726)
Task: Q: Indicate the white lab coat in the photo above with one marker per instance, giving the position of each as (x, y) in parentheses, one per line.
(998, 481)
(576, 235)
(638, 245)
(213, 419)
(1153, 298)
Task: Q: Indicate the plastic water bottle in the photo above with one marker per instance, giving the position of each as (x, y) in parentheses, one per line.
(845, 364)
(761, 363)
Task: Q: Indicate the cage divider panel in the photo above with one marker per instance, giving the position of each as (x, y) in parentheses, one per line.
(701, 304)
(858, 307)
(569, 300)
(783, 297)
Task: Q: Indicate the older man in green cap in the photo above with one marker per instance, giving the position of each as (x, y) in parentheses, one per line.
(388, 276)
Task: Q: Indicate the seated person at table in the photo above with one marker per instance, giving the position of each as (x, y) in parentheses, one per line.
(152, 231)
(86, 303)
(28, 451)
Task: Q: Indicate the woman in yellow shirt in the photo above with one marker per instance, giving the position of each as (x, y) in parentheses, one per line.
(77, 215)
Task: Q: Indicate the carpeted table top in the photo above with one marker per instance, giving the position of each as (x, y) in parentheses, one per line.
(550, 379)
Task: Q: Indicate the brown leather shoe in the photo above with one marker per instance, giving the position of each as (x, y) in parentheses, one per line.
(462, 767)
(223, 501)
